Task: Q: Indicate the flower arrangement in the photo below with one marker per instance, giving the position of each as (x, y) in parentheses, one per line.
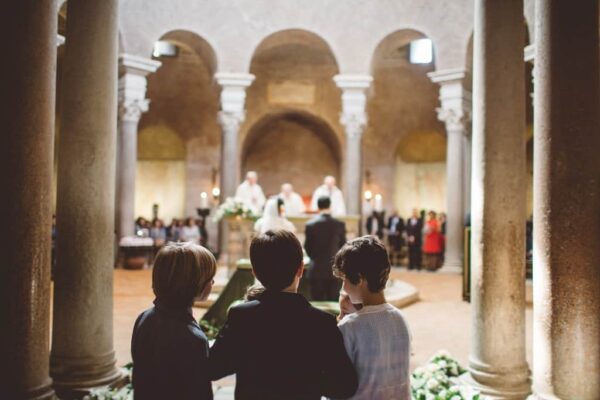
(124, 392)
(438, 380)
(234, 207)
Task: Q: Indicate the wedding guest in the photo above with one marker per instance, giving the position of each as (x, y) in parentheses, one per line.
(324, 237)
(375, 333)
(251, 194)
(329, 189)
(168, 348)
(432, 247)
(414, 231)
(142, 227)
(375, 223)
(272, 219)
(292, 202)
(190, 231)
(279, 346)
(173, 230)
(395, 229)
(158, 233)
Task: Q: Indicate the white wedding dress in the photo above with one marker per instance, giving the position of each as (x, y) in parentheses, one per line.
(271, 220)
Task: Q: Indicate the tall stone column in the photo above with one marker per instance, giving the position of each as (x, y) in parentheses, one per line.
(27, 119)
(82, 353)
(354, 120)
(566, 272)
(455, 112)
(232, 114)
(132, 103)
(497, 359)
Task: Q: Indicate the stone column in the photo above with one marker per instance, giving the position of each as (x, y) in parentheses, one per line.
(354, 120)
(132, 103)
(497, 360)
(26, 143)
(82, 353)
(232, 114)
(455, 112)
(566, 242)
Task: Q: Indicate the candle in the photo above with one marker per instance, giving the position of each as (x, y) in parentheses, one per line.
(368, 195)
(203, 200)
(216, 192)
(378, 202)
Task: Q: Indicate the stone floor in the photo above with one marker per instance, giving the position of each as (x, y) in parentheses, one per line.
(440, 320)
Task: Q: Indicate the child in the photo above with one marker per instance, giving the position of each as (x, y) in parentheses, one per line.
(375, 333)
(279, 346)
(169, 350)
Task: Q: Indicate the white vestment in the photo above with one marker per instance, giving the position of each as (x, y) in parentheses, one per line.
(338, 207)
(271, 219)
(294, 205)
(252, 196)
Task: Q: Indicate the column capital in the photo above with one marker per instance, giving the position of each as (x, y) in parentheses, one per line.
(354, 101)
(132, 85)
(455, 98)
(230, 121)
(233, 90)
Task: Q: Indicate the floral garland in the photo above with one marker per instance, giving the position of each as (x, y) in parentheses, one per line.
(438, 380)
(234, 207)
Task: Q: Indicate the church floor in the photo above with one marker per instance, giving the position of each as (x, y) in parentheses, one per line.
(440, 320)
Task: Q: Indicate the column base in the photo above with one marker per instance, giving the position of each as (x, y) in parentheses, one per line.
(75, 377)
(451, 268)
(512, 385)
(42, 392)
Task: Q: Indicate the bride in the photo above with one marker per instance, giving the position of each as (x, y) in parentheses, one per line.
(272, 219)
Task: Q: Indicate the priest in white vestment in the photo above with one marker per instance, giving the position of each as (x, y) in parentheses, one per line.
(251, 194)
(329, 189)
(292, 202)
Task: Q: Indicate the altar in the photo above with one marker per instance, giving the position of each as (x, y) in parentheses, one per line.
(238, 232)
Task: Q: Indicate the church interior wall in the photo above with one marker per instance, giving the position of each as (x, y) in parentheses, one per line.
(402, 101)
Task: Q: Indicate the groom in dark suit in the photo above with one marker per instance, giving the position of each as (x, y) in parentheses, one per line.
(325, 235)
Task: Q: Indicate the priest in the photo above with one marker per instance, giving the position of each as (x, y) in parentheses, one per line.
(292, 201)
(329, 189)
(251, 194)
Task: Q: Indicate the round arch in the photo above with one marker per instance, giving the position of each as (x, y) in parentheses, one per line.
(291, 146)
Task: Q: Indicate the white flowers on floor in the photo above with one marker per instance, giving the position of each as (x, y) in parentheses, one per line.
(438, 380)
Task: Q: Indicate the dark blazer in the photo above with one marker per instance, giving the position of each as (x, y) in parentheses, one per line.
(170, 356)
(325, 235)
(415, 231)
(281, 347)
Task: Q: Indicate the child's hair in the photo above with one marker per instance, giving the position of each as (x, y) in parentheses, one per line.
(364, 257)
(276, 256)
(181, 271)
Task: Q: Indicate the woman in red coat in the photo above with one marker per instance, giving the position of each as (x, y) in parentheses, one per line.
(432, 245)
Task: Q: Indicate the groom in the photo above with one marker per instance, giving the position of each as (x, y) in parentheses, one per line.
(325, 235)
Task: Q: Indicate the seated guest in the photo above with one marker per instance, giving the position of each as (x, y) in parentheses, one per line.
(272, 219)
(190, 232)
(280, 346)
(158, 232)
(375, 333)
(169, 350)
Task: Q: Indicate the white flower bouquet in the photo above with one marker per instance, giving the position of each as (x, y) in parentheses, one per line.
(438, 380)
(234, 207)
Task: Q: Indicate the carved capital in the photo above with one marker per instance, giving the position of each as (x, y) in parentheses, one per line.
(131, 109)
(231, 121)
(354, 123)
(456, 119)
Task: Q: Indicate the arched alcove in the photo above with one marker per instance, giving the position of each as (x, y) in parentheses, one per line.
(294, 147)
(294, 69)
(420, 172)
(184, 102)
(402, 100)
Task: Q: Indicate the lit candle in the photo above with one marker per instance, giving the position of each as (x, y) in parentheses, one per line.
(378, 202)
(216, 192)
(368, 195)
(203, 200)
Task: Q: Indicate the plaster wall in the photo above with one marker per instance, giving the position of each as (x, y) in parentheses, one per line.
(160, 182)
(419, 185)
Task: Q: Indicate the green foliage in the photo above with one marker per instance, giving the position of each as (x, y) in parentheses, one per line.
(209, 329)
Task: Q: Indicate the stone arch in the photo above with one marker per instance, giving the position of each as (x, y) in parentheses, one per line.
(303, 147)
(294, 70)
(402, 100)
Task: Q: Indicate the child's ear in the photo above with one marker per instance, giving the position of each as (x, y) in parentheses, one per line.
(300, 271)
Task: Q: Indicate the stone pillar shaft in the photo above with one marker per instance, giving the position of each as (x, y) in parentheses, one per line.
(354, 120)
(566, 216)
(27, 140)
(455, 112)
(132, 103)
(497, 359)
(82, 339)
